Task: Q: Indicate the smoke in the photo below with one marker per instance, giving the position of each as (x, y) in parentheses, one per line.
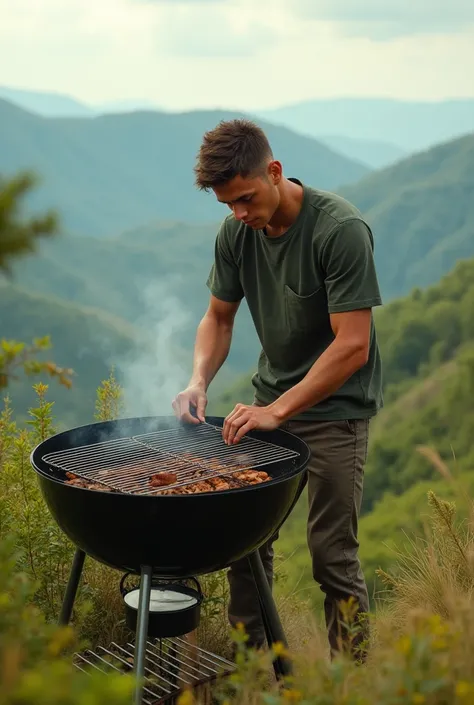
(157, 368)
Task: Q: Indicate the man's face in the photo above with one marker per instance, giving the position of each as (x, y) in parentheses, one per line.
(252, 200)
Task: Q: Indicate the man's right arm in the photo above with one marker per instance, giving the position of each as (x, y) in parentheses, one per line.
(213, 339)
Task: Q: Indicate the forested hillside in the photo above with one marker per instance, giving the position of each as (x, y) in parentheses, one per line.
(84, 339)
(113, 172)
(422, 214)
(139, 276)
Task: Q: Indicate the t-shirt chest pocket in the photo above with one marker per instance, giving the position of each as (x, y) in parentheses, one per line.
(305, 313)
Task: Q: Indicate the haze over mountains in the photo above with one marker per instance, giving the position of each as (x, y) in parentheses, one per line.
(409, 125)
(375, 132)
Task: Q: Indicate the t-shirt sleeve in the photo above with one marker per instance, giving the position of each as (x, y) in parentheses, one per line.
(347, 260)
(224, 280)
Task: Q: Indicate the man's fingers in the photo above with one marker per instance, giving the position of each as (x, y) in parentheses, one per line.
(249, 426)
(185, 411)
(237, 421)
(201, 408)
(228, 421)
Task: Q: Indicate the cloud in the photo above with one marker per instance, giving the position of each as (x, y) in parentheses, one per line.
(387, 19)
(237, 54)
(215, 29)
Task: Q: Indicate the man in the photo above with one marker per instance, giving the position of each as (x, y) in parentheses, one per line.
(303, 259)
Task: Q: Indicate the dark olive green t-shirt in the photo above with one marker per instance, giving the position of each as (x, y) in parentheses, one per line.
(323, 264)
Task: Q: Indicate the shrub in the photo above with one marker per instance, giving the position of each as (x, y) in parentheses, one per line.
(36, 657)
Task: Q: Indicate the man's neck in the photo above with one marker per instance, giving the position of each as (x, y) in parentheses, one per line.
(291, 198)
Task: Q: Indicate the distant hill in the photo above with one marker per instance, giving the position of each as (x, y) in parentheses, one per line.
(86, 339)
(110, 173)
(46, 104)
(422, 214)
(146, 356)
(375, 132)
(410, 125)
(140, 276)
(53, 104)
(374, 153)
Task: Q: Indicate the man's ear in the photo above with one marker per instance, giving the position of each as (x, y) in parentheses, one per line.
(275, 171)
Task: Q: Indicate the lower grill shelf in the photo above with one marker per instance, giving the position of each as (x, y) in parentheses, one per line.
(171, 666)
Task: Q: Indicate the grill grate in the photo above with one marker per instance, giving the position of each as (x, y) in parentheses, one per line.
(171, 665)
(194, 454)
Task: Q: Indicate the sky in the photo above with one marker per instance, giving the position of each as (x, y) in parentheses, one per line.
(238, 54)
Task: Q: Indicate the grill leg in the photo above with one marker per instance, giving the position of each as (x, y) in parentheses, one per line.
(271, 620)
(142, 631)
(72, 585)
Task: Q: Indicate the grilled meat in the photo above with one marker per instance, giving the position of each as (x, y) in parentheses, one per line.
(196, 469)
(223, 482)
(162, 478)
(86, 484)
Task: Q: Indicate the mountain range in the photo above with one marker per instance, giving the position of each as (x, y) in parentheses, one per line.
(112, 172)
(408, 125)
(374, 131)
(422, 213)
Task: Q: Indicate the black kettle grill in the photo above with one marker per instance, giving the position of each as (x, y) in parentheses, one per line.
(169, 539)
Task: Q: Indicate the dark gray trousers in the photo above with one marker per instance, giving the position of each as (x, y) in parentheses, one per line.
(335, 482)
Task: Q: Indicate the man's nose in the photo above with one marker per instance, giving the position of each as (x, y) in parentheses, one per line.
(240, 212)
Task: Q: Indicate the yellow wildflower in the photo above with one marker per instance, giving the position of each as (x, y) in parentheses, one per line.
(434, 621)
(292, 696)
(186, 698)
(438, 627)
(404, 645)
(418, 699)
(279, 649)
(463, 688)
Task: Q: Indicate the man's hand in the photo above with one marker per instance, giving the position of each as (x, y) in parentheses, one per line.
(247, 418)
(194, 395)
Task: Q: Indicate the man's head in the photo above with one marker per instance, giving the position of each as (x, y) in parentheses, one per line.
(236, 161)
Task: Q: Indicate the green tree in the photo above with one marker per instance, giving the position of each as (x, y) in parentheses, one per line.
(19, 235)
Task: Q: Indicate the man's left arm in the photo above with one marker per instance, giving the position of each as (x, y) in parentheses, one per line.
(352, 290)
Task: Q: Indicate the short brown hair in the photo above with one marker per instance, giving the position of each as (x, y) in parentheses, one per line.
(234, 148)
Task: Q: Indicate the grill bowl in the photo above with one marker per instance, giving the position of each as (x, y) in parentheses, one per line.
(177, 535)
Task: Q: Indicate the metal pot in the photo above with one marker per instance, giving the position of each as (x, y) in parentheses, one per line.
(175, 608)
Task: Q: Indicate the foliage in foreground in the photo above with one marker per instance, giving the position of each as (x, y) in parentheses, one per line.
(15, 355)
(36, 657)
